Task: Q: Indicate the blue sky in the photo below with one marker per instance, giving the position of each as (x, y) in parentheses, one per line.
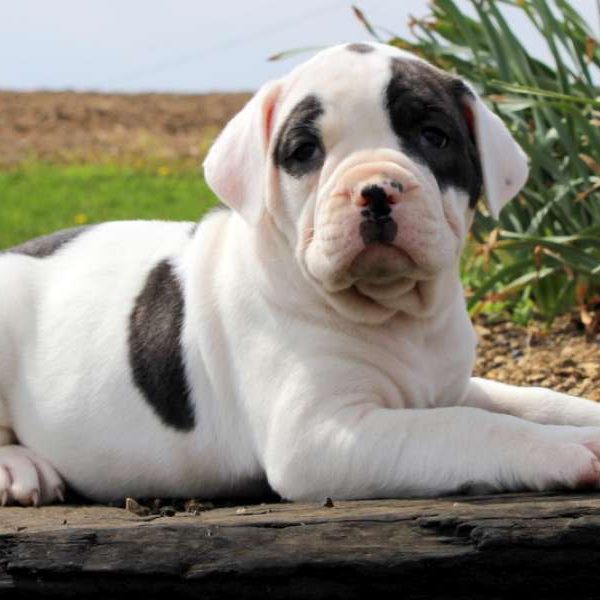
(183, 45)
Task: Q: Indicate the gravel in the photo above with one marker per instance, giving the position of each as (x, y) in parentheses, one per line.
(562, 357)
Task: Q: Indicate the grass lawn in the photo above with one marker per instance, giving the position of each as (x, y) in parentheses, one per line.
(40, 199)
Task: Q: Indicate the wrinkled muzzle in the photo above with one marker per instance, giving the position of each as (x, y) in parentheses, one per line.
(381, 220)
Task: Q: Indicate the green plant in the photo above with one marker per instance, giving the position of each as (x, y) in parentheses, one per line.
(543, 257)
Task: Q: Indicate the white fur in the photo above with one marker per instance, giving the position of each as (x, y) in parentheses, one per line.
(323, 390)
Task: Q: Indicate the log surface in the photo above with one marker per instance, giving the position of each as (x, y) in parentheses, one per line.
(463, 547)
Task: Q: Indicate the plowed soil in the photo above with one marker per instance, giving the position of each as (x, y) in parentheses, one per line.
(136, 129)
(65, 127)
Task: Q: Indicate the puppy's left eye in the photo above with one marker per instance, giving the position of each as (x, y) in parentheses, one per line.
(434, 137)
(305, 152)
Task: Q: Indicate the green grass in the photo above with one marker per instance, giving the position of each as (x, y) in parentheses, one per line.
(40, 199)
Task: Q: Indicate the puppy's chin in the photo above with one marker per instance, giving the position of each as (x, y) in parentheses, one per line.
(372, 285)
(383, 274)
(381, 264)
(377, 266)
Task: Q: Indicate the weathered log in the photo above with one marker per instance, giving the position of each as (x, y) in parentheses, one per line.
(543, 545)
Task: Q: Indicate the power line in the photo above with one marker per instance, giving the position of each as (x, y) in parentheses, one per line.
(176, 62)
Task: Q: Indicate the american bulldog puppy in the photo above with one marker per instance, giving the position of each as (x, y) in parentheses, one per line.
(313, 337)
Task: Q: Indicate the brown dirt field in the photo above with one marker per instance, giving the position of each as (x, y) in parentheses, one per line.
(64, 127)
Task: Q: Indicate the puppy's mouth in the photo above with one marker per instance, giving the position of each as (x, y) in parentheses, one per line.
(381, 264)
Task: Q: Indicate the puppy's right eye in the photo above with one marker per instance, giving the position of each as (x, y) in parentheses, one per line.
(305, 152)
(434, 137)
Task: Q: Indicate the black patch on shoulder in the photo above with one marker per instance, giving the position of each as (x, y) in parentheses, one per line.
(360, 48)
(418, 97)
(298, 134)
(47, 245)
(155, 353)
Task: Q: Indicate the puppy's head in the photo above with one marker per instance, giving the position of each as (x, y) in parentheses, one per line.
(370, 162)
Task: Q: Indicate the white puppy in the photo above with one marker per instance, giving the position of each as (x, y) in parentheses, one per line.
(315, 337)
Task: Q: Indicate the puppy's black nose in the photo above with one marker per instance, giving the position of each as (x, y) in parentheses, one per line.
(378, 202)
(377, 224)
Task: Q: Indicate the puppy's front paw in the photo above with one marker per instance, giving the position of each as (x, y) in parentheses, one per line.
(582, 468)
(27, 479)
(572, 459)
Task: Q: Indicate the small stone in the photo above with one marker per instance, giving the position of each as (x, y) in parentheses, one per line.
(482, 331)
(195, 506)
(328, 503)
(591, 370)
(134, 507)
(537, 377)
(565, 371)
(535, 338)
(568, 352)
(167, 511)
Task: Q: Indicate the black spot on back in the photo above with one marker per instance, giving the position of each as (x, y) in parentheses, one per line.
(300, 128)
(420, 96)
(155, 352)
(42, 247)
(360, 48)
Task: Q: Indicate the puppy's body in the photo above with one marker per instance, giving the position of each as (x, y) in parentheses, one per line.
(315, 338)
(65, 402)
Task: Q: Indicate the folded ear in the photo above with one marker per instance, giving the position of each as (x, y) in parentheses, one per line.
(503, 162)
(235, 167)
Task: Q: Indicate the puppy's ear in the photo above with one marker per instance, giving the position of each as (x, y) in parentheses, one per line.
(503, 162)
(235, 167)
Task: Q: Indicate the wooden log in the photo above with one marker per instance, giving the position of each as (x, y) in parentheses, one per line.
(543, 545)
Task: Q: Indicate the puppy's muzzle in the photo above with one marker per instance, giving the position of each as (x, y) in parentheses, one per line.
(375, 192)
(377, 224)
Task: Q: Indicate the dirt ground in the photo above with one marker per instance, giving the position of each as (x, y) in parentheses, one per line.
(560, 358)
(66, 127)
(134, 129)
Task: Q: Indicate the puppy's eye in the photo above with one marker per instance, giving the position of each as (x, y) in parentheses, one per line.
(434, 137)
(305, 152)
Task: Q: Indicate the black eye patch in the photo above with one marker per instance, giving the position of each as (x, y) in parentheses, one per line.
(299, 148)
(425, 109)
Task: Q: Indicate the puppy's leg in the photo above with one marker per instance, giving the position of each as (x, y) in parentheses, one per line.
(25, 477)
(357, 449)
(532, 403)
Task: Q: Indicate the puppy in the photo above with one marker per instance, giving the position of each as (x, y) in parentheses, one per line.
(314, 338)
